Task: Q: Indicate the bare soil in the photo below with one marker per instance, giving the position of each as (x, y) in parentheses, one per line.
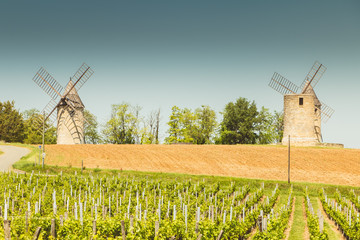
(306, 232)
(321, 165)
(291, 220)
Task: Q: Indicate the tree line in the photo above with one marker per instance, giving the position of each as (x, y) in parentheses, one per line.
(242, 122)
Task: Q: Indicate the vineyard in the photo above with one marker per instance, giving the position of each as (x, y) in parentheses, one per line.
(144, 206)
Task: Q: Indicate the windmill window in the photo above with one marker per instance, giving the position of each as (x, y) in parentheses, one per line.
(301, 101)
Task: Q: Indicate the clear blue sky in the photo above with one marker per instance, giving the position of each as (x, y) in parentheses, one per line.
(157, 54)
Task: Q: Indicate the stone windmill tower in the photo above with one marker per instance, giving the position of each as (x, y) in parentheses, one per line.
(70, 127)
(303, 111)
(67, 103)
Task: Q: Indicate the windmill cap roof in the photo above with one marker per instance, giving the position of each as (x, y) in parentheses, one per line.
(73, 95)
(310, 90)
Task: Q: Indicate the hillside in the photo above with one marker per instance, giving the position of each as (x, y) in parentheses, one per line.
(325, 165)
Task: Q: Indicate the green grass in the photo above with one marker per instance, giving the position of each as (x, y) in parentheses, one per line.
(331, 233)
(1, 152)
(298, 226)
(27, 162)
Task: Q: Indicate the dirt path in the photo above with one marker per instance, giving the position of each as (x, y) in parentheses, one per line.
(291, 220)
(306, 232)
(330, 222)
(11, 155)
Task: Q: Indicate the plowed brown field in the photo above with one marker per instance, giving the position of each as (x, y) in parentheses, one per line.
(323, 165)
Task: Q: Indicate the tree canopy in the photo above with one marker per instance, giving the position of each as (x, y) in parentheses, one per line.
(243, 123)
(11, 123)
(122, 126)
(33, 131)
(187, 126)
(91, 128)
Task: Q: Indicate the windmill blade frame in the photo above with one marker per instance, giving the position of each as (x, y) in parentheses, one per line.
(283, 85)
(313, 77)
(45, 81)
(326, 112)
(80, 77)
(46, 115)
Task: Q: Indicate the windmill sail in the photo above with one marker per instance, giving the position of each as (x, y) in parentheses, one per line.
(313, 77)
(48, 83)
(283, 85)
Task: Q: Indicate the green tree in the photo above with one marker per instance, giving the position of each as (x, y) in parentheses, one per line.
(206, 118)
(91, 128)
(174, 130)
(278, 121)
(11, 123)
(186, 126)
(33, 128)
(240, 123)
(122, 128)
(266, 128)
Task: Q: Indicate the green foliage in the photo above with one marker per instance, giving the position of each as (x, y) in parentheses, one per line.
(278, 123)
(244, 124)
(174, 123)
(313, 221)
(11, 123)
(278, 223)
(123, 126)
(349, 224)
(240, 123)
(186, 126)
(91, 128)
(33, 131)
(206, 124)
(270, 128)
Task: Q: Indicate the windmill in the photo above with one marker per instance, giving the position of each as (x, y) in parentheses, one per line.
(70, 108)
(303, 111)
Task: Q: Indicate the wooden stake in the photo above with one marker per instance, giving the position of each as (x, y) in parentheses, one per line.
(26, 221)
(289, 160)
(37, 233)
(123, 233)
(7, 229)
(157, 225)
(131, 223)
(260, 224)
(220, 235)
(53, 231)
(94, 227)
